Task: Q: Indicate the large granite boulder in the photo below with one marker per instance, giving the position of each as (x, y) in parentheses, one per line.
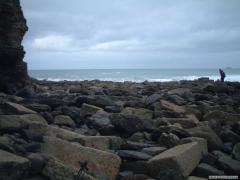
(13, 71)
(101, 164)
(181, 160)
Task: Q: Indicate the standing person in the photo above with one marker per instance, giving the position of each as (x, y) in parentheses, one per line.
(222, 74)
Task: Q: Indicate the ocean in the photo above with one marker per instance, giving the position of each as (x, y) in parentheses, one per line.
(134, 75)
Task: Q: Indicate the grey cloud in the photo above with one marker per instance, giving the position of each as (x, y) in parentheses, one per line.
(187, 30)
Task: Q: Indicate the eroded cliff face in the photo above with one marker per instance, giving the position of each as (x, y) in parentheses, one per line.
(13, 71)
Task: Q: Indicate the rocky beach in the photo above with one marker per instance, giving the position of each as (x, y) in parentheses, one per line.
(172, 130)
(103, 130)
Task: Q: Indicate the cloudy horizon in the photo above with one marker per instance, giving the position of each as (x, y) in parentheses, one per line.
(132, 34)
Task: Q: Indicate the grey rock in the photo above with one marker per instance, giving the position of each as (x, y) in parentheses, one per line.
(205, 170)
(226, 163)
(13, 167)
(133, 155)
(63, 120)
(168, 140)
(153, 151)
(236, 151)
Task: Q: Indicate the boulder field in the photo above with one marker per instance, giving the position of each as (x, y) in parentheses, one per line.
(119, 131)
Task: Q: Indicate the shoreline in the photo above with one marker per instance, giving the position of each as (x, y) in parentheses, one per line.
(122, 130)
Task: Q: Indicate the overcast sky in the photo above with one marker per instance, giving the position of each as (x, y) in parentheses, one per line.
(78, 34)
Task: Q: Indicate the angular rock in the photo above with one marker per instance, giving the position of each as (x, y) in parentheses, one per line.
(97, 142)
(138, 112)
(223, 117)
(173, 107)
(17, 123)
(189, 122)
(131, 145)
(12, 166)
(38, 107)
(63, 120)
(130, 124)
(226, 163)
(201, 141)
(14, 108)
(73, 112)
(152, 99)
(89, 110)
(153, 151)
(214, 142)
(229, 136)
(133, 155)
(101, 122)
(181, 160)
(101, 164)
(205, 170)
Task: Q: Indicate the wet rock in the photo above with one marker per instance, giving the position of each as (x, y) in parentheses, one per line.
(14, 108)
(227, 147)
(102, 165)
(13, 166)
(35, 131)
(133, 155)
(38, 161)
(38, 107)
(205, 170)
(236, 151)
(130, 124)
(153, 151)
(137, 167)
(176, 160)
(168, 140)
(209, 158)
(229, 136)
(226, 163)
(101, 122)
(131, 145)
(63, 120)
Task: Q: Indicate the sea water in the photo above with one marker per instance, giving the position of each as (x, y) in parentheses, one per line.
(134, 75)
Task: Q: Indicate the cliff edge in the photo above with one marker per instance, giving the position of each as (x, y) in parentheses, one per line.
(13, 71)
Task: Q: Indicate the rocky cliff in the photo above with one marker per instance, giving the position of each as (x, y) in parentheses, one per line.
(13, 71)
